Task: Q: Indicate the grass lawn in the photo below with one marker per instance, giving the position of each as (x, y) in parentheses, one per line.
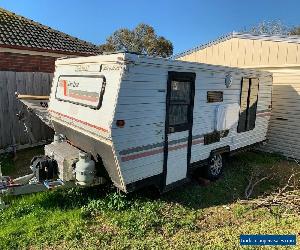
(190, 217)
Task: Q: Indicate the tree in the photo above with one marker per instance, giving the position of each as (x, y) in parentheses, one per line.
(295, 31)
(142, 39)
(274, 27)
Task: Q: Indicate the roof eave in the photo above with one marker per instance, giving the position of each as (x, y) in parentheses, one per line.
(49, 50)
(275, 38)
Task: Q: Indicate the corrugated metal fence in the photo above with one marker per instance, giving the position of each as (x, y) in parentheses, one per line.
(11, 129)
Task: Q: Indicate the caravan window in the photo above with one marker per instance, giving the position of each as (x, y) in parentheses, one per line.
(248, 103)
(179, 103)
(82, 90)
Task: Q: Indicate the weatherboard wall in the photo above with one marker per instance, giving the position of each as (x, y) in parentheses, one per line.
(284, 130)
(246, 52)
(281, 56)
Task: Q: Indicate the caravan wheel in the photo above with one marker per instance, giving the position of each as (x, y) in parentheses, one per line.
(215, 167)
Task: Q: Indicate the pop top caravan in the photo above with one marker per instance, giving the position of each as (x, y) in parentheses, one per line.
(152, 121)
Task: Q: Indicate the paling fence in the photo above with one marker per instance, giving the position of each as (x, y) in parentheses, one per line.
(12, 130)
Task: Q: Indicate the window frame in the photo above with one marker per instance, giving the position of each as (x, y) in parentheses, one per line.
(181, 77)
(102, 91)
(246, 125)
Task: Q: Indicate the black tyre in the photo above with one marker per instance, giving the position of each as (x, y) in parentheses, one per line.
(215, 166)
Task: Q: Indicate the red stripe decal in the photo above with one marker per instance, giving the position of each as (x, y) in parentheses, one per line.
(77, 120)
(141, 155)
(177, 147)
(198, 141)
(158, 151)
(65, 87)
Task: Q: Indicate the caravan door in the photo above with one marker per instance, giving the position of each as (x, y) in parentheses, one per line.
(179, 123)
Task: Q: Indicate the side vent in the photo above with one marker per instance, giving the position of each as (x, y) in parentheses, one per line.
(212, 137)
(214, 96)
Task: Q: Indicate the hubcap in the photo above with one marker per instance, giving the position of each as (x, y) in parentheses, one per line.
(216, 165)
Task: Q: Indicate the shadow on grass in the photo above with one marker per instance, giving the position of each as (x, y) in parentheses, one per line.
(226, 190)
(101, 215)
(231, 186)
(19, 165)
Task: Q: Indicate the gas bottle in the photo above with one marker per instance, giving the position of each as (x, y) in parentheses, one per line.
(84, 169)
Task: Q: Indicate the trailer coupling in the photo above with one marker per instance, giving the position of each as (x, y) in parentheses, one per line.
(47, 174)
(42, 178)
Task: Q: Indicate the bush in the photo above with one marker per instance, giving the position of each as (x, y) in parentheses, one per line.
(113, 201)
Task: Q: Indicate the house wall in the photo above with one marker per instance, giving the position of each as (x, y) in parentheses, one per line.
(237, 52)
(284, 129)
(283, 60)
(26, 62)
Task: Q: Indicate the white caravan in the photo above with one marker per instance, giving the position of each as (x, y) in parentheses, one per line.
(152, 121)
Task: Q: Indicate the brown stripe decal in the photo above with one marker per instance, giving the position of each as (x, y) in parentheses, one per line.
(198, 141)
(141, 155)
(158, 151)
(131, 153)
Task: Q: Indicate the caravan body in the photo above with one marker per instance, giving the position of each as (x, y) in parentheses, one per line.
(152, 120)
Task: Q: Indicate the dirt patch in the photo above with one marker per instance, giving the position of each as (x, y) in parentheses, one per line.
(19, 165)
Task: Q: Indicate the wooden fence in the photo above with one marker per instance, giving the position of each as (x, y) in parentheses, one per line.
(12, 131)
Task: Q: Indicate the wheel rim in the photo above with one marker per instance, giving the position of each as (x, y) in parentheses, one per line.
(216, 165)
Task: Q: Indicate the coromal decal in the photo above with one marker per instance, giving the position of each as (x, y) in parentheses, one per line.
(112, 67)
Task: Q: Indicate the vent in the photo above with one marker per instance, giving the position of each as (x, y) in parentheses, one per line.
(214, 96)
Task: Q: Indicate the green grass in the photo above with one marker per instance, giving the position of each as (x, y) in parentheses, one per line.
(190, 217)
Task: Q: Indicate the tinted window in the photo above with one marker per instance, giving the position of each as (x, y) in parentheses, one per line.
(248, 103)
(179, 104)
